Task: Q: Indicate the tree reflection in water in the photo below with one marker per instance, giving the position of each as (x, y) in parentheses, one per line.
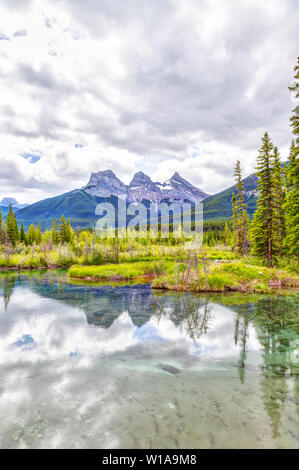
(274, 319)
(7, 284)
(185, 309)
(277, 328)
(276, 323)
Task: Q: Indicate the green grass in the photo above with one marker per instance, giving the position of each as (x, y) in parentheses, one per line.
(226, 270)
(236, 275)
(116, 271)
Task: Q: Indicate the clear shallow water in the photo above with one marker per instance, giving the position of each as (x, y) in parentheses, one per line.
(123, 367)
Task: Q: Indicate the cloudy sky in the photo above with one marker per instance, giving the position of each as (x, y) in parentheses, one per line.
(151, 85)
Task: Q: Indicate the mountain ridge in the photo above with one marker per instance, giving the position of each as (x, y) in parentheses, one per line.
(105, 183)
(7, 201)
(79, 204)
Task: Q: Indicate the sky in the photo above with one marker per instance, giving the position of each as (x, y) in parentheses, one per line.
(157, 86)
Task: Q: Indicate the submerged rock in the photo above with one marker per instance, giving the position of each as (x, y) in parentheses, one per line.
(170, 369)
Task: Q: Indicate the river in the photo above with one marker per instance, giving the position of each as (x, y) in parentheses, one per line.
(122, 366)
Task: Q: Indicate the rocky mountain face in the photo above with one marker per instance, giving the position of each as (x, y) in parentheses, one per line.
(176, 189)
(104, 184)
(7, 201)
(80, 205)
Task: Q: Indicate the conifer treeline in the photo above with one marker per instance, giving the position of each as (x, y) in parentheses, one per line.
(274, 230)
(10, 232)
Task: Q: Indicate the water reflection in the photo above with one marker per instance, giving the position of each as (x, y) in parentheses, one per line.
(115, 351)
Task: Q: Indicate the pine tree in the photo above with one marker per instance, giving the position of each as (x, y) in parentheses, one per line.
(278, 195)
(54, 232)
(236, 224)
(38, 233)
(69, 231)
(226, 235)
(12, 226)
(1, 227)
(262, 226)
(62, 230)
(240, 216)
(31, 235)
(23, 238)
(16, 229)
(291, 241)
(291, 205)
(295, 118)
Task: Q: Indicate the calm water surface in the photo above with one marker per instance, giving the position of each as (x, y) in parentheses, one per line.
(94, 366)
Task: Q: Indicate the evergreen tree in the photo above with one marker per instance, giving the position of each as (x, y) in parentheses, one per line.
(12, 226)
(236, 224)
(62, 230)
(295, 118)
(38, 233)
(69, 232)
(226, 235)
(31, 235)
(16, 229)
(240, 213)
(291, 241)
(291, 205)
(263, 221)
(1, 226)
(23, 238)
(278, 202)
(54, 232)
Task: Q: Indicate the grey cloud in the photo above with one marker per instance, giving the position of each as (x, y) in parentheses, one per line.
(183, 84)
(8, 110)
(43, 78)
(4, 37)
(16, 4)
(20, 33)
(178, 83)
(99, 16)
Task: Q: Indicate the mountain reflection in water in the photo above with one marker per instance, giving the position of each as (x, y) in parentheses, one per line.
(126, 362)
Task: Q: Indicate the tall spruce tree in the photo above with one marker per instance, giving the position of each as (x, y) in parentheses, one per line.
(23, 238)
(38, 233)
(263, 221)
(291, 205)
(291, 241)
(69, 231)
(278, 195)
(31, 235)
(295, 118)
(240, 217)
(54, 232)
(12, 226)
(1, 226)
(63, 230)
(236, 224)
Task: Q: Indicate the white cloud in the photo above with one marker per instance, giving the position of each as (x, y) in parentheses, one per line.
(160, 86)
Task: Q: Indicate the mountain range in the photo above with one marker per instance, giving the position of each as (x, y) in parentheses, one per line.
(104, 186)
(142, 188)
(7, 201)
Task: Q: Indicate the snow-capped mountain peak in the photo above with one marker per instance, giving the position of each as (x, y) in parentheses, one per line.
(176, 189)
(105, 183)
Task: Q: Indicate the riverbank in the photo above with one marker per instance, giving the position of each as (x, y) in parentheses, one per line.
(116, 272)
(173, 268)
(210, 276)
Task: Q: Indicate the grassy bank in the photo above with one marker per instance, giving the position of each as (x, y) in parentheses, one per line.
(208, 275)
(51, 256)
(234, 276)
(112, 272)
(218, 270)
